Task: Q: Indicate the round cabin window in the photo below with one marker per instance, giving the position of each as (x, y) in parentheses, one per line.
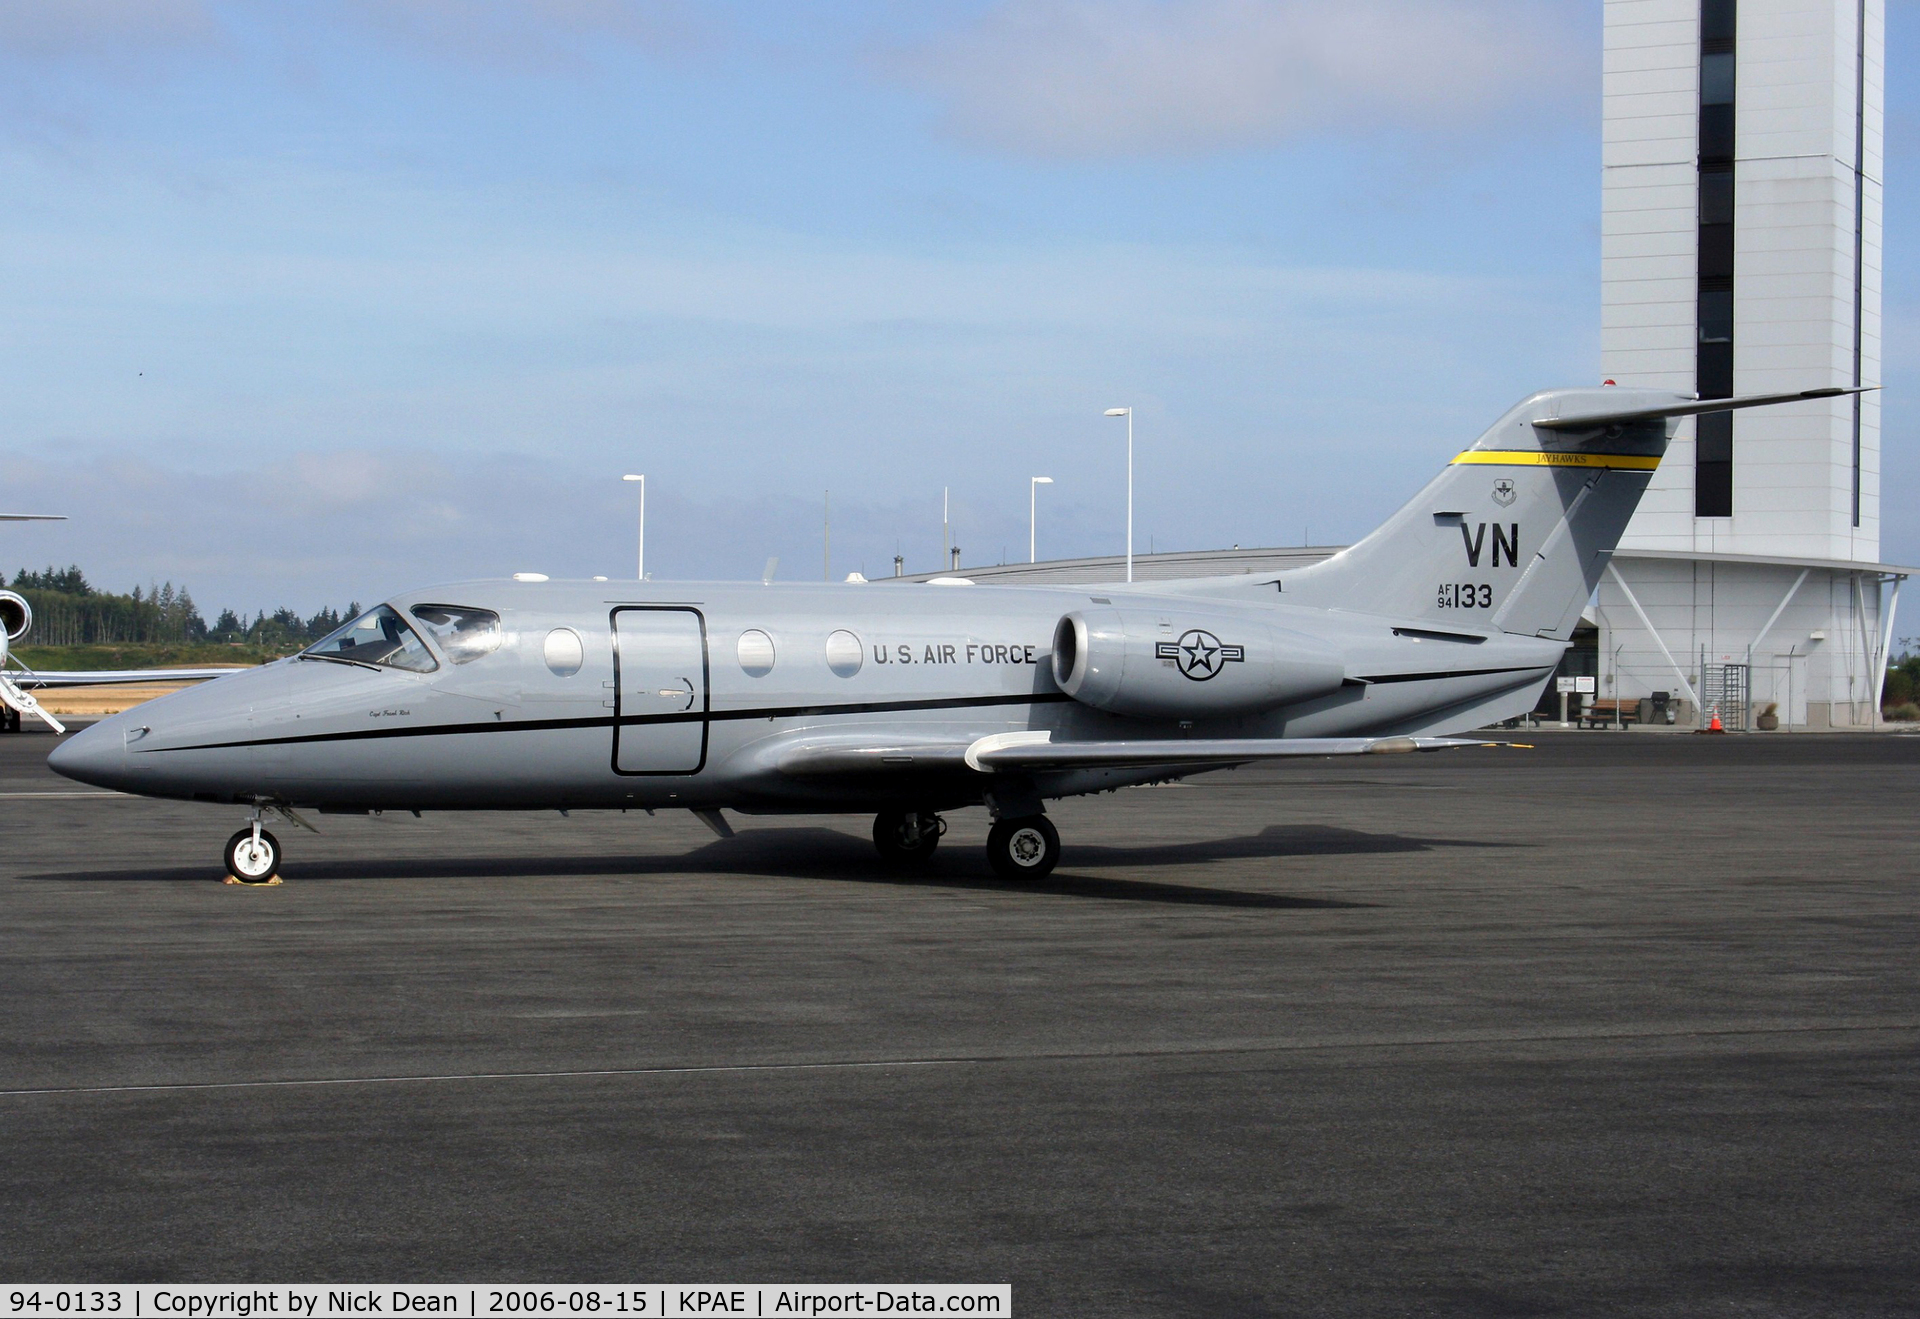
(563, 652)
(843, 653)
(756, 653)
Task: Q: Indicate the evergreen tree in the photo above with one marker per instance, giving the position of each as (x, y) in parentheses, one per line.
(67, 581)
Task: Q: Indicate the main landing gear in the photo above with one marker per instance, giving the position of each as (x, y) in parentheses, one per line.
(1023, 847)
(907, 837)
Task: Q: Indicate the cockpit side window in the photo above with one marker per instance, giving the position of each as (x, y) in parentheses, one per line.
(464, 633)
(378, 637)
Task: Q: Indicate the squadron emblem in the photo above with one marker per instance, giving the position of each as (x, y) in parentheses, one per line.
(1503, 492)
(1199, 654)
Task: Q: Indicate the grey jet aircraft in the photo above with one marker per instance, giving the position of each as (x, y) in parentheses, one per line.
(906, 701)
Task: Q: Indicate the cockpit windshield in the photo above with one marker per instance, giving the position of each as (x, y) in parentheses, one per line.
(464, 633)
(379, 638)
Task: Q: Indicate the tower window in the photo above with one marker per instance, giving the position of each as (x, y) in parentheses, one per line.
(1714, 346)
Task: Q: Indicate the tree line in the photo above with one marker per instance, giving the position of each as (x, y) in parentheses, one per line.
(69, 611)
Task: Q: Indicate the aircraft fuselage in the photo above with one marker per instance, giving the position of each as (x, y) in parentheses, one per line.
(668, 707)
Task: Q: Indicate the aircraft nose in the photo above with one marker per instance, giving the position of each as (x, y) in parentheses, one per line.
(96, 755)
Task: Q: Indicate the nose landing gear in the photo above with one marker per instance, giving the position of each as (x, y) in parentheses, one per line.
(253, 856)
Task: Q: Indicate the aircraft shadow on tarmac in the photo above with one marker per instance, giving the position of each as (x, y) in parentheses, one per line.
(824, 854)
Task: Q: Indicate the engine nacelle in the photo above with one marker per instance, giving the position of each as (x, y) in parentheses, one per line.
(1181, 663)
(16, 615)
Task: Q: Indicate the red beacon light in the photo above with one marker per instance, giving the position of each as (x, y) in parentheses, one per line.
(1606, 382)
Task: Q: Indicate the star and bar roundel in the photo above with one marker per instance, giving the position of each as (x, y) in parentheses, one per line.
(1199, 654)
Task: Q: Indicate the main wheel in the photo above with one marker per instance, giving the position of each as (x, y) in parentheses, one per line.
(1027, 848)
(252, 863)
(907, 837)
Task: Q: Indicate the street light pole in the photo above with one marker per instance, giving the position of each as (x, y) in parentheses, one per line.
(1033, 515)
(1128, 414)
(643, 522)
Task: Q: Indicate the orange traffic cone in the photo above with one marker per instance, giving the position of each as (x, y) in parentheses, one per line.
(1715, 727)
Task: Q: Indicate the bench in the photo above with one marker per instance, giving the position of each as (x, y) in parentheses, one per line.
(1532, 719)
(1604, 714)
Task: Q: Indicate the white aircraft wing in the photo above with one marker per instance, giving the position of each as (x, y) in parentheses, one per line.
(1036, 752)
(36, 679)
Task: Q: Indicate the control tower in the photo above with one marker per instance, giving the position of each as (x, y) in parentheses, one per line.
(1741, 255)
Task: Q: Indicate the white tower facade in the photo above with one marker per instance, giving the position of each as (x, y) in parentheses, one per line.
(1741, 255)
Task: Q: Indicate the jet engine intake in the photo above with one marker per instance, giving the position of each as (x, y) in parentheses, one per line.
(16, 615)
(1187, 664)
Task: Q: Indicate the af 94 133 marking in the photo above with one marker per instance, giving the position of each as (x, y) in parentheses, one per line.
(1465, 595)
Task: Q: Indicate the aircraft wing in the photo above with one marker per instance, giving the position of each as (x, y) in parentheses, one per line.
(106, 677)
(1036, 752)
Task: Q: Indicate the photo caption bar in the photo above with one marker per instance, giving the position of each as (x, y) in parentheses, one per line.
(485, 1301)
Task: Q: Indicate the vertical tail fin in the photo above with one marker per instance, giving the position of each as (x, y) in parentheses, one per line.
(1515, 533)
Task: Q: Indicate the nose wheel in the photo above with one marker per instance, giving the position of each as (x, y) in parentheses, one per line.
(253, 857)
(1025, 848)
(907, 837)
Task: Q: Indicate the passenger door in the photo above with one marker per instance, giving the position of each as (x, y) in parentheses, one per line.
(660, 691)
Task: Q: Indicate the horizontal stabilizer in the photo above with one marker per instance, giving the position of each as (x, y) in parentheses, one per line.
(1688, 408)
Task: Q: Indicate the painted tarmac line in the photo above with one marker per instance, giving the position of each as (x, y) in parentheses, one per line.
(1597, 1034)
(127, 795)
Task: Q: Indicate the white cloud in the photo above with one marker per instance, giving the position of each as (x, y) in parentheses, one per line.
(1145, 77)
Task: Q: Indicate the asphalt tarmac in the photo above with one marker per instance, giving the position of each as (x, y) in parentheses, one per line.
(1625, 1024)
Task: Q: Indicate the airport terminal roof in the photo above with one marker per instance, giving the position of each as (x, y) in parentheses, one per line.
(1146, 567)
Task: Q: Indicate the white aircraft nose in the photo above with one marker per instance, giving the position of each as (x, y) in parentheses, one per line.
(96, 755)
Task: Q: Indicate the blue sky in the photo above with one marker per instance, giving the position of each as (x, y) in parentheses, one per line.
(304, 303)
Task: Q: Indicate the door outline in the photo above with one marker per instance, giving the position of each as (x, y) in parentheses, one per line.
(619, 690)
